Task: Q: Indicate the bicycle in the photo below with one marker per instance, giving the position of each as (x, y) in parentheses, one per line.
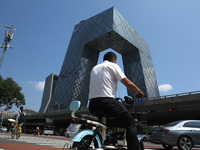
(16, 130)
(95, 138)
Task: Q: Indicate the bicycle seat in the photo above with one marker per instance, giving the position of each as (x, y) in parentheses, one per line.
(100, 114)
(88, 117)
(97, 116)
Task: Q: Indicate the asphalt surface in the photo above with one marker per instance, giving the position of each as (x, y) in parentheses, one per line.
(31, 142)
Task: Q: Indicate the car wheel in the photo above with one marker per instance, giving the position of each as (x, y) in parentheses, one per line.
(184, 143)
(167, 146)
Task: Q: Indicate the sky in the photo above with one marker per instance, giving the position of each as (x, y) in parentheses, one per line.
(44, 28)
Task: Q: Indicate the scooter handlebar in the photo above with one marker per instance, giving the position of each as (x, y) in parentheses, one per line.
(139, 95)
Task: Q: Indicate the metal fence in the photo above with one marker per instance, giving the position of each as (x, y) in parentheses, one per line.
(175, 95)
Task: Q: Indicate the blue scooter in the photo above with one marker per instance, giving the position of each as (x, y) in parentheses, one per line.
(95, 137)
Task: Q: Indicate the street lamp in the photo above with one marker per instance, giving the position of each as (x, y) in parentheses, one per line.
(2, 116)
(8, 37)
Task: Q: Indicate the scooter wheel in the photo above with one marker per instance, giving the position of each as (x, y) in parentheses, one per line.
(141, 145)
(85, 143)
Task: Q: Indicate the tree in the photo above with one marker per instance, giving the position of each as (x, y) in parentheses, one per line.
(10, 93)
(147, 129)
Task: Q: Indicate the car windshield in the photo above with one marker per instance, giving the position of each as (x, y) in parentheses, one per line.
(73, 127)
(48, 128)
(172, 124)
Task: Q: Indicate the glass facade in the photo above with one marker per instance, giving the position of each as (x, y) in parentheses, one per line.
(50, 84)
(98, 33)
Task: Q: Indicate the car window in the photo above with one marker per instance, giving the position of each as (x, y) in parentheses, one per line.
(74, 127)
(192, 124)
(172, 124)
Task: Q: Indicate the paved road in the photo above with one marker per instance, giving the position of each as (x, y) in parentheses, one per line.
(31, 142)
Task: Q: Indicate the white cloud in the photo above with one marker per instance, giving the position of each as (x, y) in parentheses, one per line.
(38, 85)
(165, 87)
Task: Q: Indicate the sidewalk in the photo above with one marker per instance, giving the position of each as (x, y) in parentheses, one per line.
(31, 142)
(7, 146)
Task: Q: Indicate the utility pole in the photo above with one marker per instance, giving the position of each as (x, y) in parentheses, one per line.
(8, 37)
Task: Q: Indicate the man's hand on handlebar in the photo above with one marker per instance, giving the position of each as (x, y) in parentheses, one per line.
(139, 94)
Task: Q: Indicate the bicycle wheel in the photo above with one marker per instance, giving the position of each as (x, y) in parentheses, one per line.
(85, 143)
(17, 133)
(141, 145)
(13, 133)
(65, 147)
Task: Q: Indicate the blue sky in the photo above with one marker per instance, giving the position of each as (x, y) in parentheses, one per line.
(44, 28)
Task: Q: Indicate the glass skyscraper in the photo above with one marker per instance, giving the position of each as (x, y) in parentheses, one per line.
(105, 30)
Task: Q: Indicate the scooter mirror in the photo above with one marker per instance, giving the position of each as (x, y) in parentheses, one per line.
(75, 105)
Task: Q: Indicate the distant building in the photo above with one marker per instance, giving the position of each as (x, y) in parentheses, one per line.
(6, 114)
(30, 112)
(50, 84)
(107, 29)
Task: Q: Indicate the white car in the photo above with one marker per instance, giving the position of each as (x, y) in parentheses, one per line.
(145, 137)
(72, 130)
(48, 132)
(184, 134)
(3, 129)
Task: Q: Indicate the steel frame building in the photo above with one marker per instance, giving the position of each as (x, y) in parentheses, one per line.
(107, 29)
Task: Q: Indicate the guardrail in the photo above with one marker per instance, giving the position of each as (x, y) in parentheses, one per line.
(146, 99)
(174, 95)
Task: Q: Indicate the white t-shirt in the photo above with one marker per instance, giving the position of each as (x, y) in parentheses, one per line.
(19, 112)
(103, 80)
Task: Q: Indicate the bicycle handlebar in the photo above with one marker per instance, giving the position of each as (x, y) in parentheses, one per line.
(139, 95)
(128, 101)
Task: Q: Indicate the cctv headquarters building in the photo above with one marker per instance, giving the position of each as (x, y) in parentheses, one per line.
(105, 30)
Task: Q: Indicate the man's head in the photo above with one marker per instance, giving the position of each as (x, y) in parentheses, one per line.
(110, 56)
(21, 108)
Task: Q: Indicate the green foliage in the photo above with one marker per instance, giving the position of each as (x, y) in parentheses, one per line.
(147, 129)
(113, 130)
(10, 93)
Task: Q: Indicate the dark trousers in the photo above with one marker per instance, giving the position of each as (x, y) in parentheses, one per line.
(121, 115)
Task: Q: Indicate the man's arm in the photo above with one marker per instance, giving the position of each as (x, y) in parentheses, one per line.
(18, 115)
(131, 86)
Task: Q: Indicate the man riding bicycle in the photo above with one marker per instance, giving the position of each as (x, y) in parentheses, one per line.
(102, 91)
(20, 117)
